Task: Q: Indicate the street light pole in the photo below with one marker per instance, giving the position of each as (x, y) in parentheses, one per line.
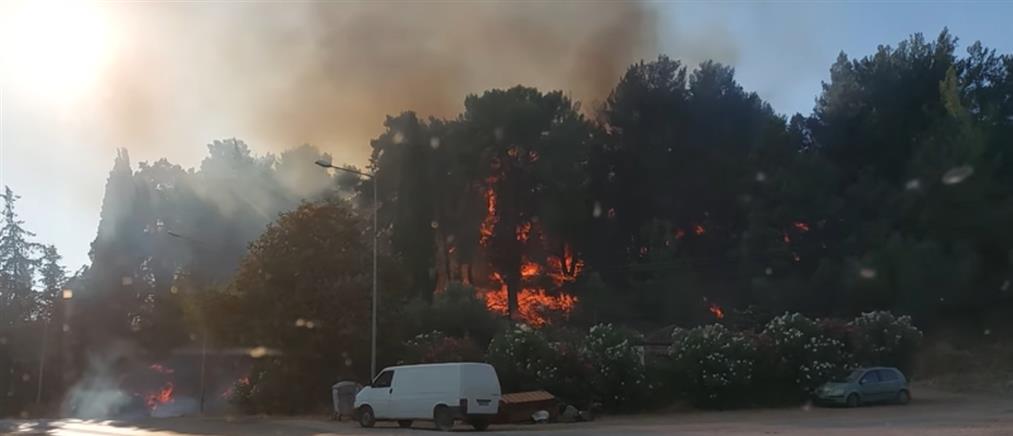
(372, 345)
(204, 342)
(376, 240)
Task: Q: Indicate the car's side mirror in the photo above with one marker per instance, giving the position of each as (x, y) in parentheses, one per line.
(861, 382)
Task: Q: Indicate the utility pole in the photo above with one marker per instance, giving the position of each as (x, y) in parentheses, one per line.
(376, 241)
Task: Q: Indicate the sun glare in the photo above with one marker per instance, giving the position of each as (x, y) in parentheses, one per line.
(55, 50)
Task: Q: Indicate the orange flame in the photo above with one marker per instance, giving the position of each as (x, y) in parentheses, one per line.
(523, 232)
(564, 270)
(716, 311)
(241, 381)
(530, 269)
(489, 223)
(534, 303)
(163, 396)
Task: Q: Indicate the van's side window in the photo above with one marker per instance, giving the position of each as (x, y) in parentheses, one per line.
(383, 380)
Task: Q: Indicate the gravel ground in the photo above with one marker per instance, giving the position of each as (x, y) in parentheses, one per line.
(931, 413)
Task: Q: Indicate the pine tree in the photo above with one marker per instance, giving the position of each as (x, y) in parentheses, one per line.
(53, 277)
(17, 303)
(17, 265)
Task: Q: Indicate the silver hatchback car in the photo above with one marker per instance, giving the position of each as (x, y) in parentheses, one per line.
(866, 385)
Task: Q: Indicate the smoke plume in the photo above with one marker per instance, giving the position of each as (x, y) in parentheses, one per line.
(98, 394)
(282, 74)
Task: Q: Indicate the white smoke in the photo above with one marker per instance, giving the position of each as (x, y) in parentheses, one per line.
(97, 393)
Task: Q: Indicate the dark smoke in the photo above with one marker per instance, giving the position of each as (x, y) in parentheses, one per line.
(327, 73)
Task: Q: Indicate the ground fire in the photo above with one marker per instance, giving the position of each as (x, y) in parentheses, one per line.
(716, 311)
(161, 397)
(536, 301)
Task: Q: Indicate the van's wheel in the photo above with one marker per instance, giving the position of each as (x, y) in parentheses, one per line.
(366, 417)
(853, 400)
(903, 397)
(404, 423)
(480, 424)
(443, 418)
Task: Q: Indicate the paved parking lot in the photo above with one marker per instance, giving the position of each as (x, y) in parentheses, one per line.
(930, 414)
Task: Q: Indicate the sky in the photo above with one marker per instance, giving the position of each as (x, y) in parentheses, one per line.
(79, 79)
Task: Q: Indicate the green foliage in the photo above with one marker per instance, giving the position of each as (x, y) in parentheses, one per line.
(880, 338)
(435, 347)
(805, 358)
(600, 366)
(714, 365)
(17, 266)
(616, 372)
(308, 280)
(788, 360)
(282, 385)
(456, 312)
(524, 359)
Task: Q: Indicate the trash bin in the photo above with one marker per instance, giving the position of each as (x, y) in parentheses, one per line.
(343, 395)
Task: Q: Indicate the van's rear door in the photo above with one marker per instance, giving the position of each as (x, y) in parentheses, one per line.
(480, 389)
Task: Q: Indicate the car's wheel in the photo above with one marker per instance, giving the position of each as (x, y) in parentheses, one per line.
(366, 417)
(443, 418)
(903, 397)
(404, 423)
(853, 400)
(480, 424)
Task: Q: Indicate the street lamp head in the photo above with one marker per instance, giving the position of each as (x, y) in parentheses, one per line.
(324, 163)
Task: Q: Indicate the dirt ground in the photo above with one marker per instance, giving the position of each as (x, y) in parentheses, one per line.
(931, 413)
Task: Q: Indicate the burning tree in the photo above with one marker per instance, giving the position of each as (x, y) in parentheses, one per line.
(496, 196)
(533, 145)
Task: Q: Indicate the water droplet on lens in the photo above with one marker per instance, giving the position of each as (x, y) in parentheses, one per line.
(957, 174)
(867, 273)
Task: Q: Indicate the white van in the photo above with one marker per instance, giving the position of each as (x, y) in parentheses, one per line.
(442, 392)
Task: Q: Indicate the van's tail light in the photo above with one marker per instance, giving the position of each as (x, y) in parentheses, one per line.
(464, 405)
